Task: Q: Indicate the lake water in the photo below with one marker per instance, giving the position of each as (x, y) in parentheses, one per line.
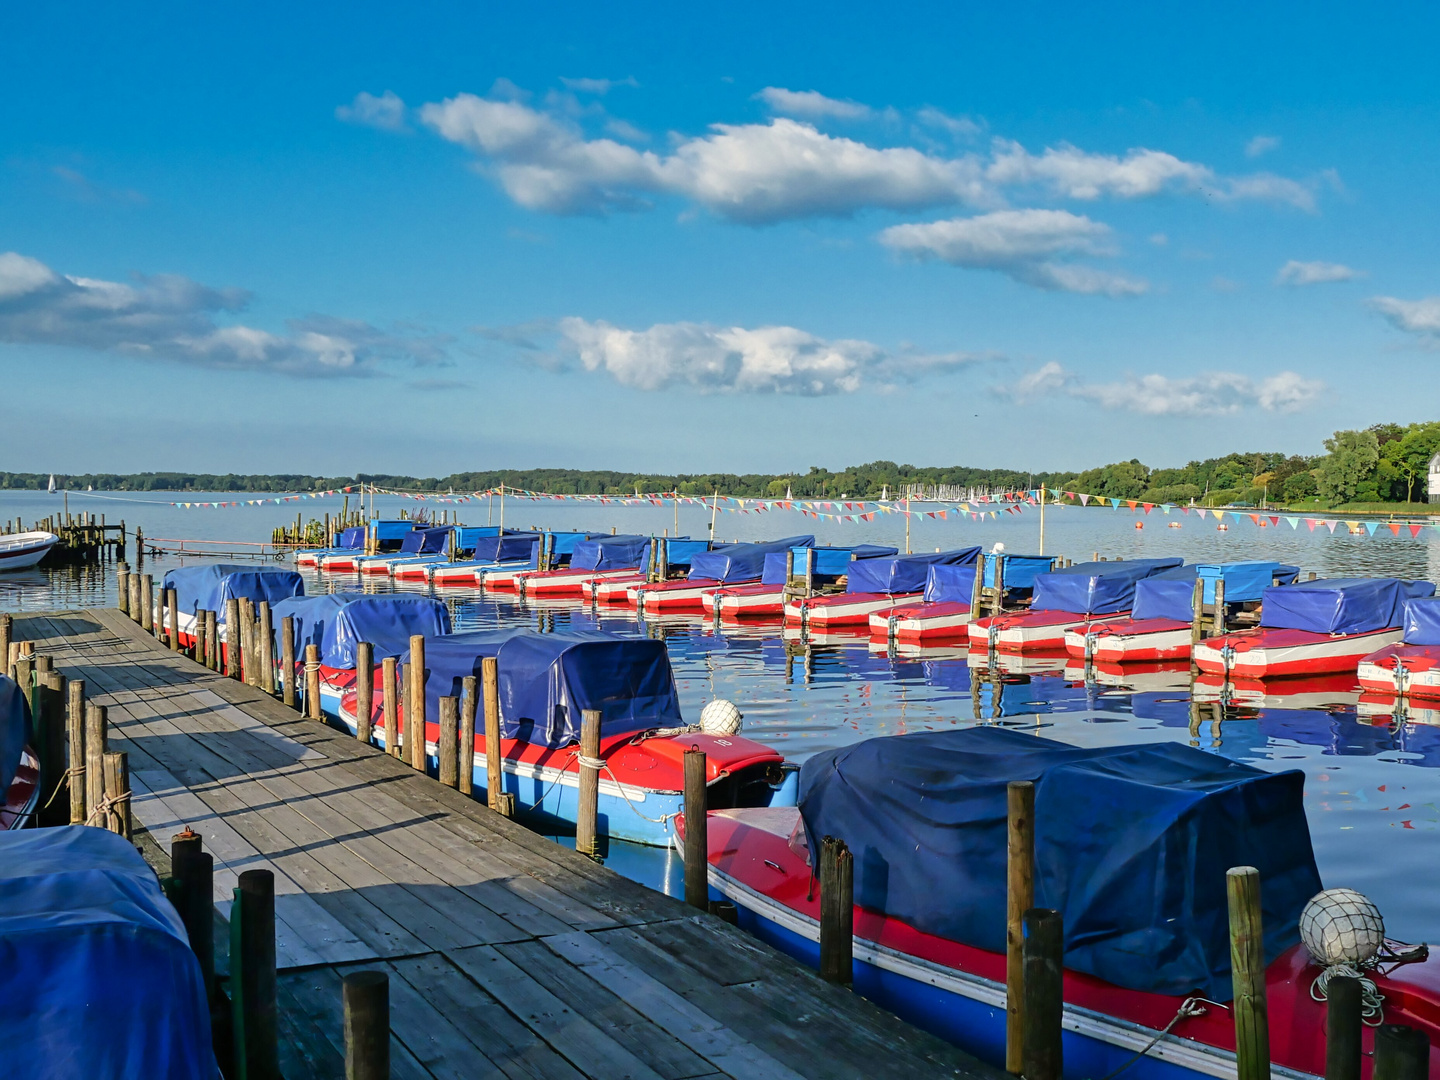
(1372, 778)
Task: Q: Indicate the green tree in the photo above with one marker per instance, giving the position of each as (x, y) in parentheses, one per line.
(1351, 461)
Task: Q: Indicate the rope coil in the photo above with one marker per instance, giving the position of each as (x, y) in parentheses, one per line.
(1372, 1002)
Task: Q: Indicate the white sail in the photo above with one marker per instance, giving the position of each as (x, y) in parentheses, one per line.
(51, 488)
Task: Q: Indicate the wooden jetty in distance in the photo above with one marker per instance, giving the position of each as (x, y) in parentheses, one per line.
(507, 955)
(84, 538)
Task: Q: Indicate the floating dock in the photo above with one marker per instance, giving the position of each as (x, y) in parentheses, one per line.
(508, 955)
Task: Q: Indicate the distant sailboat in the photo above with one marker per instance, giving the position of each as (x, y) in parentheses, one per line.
(51, 488)
(90, 487)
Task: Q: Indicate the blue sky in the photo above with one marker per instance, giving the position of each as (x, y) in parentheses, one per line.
(339, 238)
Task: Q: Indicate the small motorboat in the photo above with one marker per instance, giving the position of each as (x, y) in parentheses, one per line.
(20, 551)
(611, 590)
(595, 559)
(710, 571)
(1072, 597)
(943, 613)
(19, 764)
(423, 544)
(810, 569)
(545, 682)
(1163, 621)
(349, 541)
(337, 622)
(1411, 667)
(209, 587)
(1314, 627)
(492, 552)
(1132, 846)
(382, 538)
(875, 585)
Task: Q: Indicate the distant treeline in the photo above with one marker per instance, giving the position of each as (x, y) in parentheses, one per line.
(1387, 462)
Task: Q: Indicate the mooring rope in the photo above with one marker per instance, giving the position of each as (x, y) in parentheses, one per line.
(1191, 1006)
(1372, 1002)
(104, 806)
(70, 775)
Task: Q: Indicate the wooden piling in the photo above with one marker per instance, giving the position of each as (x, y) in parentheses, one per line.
(366, 997)
(312, 682)
(494, 749)
(195, 871)
(172, 607)
(1197, 612)
(122, 587)
(447, 743)
(1044, 994)
(287, 660)
(389, 704)
(466, 763)
(212, 641)
(1020, 898)
(1342, 1028)
(1401, 1053)
(837, 911)
(364, 689)
(117, 792)
(697, 842)
(1247, 970)
(147, 603)
(266, 631)
(233, 638)
(1219, 606)
(75, 730)
(50, 695)
(249, 667)
(587, 814)
(7, 632)
(997, 596)
(415, 748)
(136, 600)
(96, 735)
(252, 976)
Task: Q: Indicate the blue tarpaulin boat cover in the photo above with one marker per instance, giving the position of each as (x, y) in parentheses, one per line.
(100, 980)
(741, 562)
(946, 582)
(903, 573)
(508, 548)
(391, 530)
(1170, 594)
(829, 562)
(1095, 588)
(425, 541)
(1341, 605)
(337, 622)
(610, 553)
(682, 552)
(547, 680)
(1131, 845)
(467, 537)
(206, 588)
(1018, 572)
(1422, 623)
(14, 731)
(351, 539)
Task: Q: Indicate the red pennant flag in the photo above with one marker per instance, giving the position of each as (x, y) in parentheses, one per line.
(1414, 531)
(1308, 521)
(1253, 517)
(1273, 521)
(1394, 528)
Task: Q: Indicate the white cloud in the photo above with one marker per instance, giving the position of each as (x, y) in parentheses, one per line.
(386, 112)
(762, 173)
(173, 318)
(767, 359)
(1207, 394)
(1314, 273)
(1261, 144)
(1027, 245)
(811, 104)
(1413, 316)
(599, 87)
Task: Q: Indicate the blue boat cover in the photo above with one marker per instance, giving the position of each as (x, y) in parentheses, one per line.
(949, 582)
(99, 976)
(1341, 605)
(1170, 594)
(1020, 571)
(1131, 845)
(206, 588)
(467, 536)
(425, 541)
(680, 552)
(391, 530)
(829, 562)
(1245, 581)
(508, 548)
(625, 552)
(903, 573)
(547, 680)
(741, 562)
(336, 622)
(1095, 588)
(1422, 624)
(351, 539)
(14, 730)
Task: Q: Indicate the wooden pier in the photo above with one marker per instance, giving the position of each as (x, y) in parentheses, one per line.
(508, 955)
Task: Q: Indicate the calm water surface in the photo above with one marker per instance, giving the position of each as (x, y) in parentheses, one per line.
(1372, 777)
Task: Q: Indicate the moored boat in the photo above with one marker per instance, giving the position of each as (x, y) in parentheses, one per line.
(713, 570)
(349, 541)
(875, 585)
(808, 569)
(209, 587)
(597, 558)
(1077, 596)
(419, 543)
(20, 551)
(379, 537)
(491, 552)
(19, 764)
(1411, 666)
(1132, 845)
(546, 681)
(943, 613)
(1314, 627)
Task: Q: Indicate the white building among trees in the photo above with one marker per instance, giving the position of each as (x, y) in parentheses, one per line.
(1434, 485)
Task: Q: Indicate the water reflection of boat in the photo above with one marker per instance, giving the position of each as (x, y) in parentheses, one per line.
(1301, 692)
(1018, 663)
(1149, 678)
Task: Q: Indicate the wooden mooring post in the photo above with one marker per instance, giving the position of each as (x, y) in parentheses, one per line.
(1020, 898)
(96, 736)
(287, 660)
(468, 687)
(1401, 1053)
(697, 837)
(1247, 971)
(49, 718)
(1044, 994)
(172, 605)
(117, 792)
(194, 871)
(312, 682)
(252, 977)
(266, 630)
(122, 587)
(1343, 1026)
(364, 689)
(415, 704)
(366, 999)
(837, 911)
(389, 704)
(587, 813)
(447, 745)
(75, 731)
(234, 639)
(495, 795)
